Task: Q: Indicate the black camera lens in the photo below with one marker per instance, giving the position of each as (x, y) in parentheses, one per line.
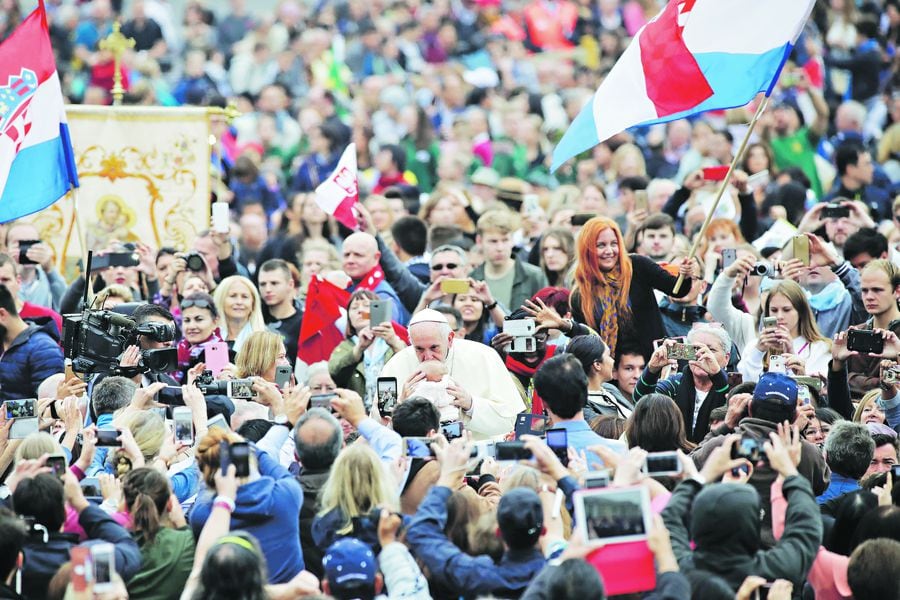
(195, 262)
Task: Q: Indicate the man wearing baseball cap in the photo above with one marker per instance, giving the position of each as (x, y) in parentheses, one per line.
(774, 401)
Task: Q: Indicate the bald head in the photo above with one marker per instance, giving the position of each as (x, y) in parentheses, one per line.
(361, 255)
(318, 439)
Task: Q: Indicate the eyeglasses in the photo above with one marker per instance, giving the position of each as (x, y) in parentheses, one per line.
(441, 267)
(200, 303)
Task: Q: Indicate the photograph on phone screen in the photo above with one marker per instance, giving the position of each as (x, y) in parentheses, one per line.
(615, 515)
(387, 394)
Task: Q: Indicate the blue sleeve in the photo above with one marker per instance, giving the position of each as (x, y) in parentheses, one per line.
(98, 465)
(891, 408)
(270, 467)
(386, 443)
(45, 359)
(465, 574)
(100, 526)
(185, 483)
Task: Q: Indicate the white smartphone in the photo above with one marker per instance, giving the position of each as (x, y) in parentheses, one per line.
(776, 364)
(184, 424)
(220, 217)
(103, 557)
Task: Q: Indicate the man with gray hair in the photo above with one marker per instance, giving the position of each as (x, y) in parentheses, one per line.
(848, 452)
(108, 396)
(318, 441)
(701, 386)
(480, 386)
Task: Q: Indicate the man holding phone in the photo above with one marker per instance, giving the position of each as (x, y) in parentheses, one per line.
(41, 283)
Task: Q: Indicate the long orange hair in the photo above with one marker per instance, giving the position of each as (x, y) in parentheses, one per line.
(588, 276)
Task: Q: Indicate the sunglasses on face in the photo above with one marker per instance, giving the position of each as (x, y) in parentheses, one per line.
(441, 267)
(198, 303)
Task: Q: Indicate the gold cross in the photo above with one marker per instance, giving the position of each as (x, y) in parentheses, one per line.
(117, 43)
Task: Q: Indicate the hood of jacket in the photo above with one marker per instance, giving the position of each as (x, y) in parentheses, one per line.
(725, 525)
(41, 324)
(256, 501)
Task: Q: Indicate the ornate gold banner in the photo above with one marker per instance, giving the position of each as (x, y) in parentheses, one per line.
(144, 174)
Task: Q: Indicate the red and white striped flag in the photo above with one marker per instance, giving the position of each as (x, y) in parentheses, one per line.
(340, 192)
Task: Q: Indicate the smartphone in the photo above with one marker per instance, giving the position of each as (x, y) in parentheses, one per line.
(58, 465)
(215, 356)
(239, 456)
(681, 352)
(729, 256)
(69, 372)
(511, 451)
(770, 322)
(82, 570)
(640, 200)
(103, 557)
(717, 173)
(801, 249)
(20, 409)
(758, 180)
(519, 327)
(379, 312)
(521, 345)
(217, 421)
(776, 364)
(220, 217)
(578, 220)
(596, 479)
(455, 286)
(386, 390)
(240, 388)
(184, 424)
(529, 424)
(108, 437)
(24, 245)
(531, 204)
(835, 211)
(804, 396)
(558, 440)
(865, 341)
(115, 259)
(662, 464)
(452, 430)
(321, 401)
(283, 376)
(895, 474)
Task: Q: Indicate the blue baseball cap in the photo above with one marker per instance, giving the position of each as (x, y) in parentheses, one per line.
(776, 388)
(349, 560)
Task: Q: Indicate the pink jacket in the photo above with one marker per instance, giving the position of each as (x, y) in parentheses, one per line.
(828, 575)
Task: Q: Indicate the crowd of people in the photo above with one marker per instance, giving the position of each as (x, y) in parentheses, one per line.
(517, 350)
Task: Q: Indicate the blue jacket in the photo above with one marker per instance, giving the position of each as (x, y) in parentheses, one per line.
(42, 560)
(268, 509)
(386, 292)
(31, 358)
(470, 576)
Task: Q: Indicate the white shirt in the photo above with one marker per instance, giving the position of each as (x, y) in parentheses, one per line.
(698, 404)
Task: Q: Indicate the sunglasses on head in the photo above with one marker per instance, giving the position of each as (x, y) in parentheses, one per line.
(201, 303)
(440, 267)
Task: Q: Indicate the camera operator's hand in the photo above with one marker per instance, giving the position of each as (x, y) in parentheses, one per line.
(73, 493)
(660, 544)
(706, 360)
(629, 470)
(545, 316)
(131, 448)
(269, 395)
(41, 254)
(388, 526)
(226, 485)
(822, 254)
(720, 461)
(143, 397)
(546, 460)
(27, 469)
(839, 352)
(147, 265)
(741, 267)
(195, 372)
(780, 457)
(805, 413)
(131, 357)
(88, 448)
(500, 341)
(350, 406)
(296, 401)
(72, 387)
(453, 458)
(793, 269)
(891, 345)
(660, 357)
(365, 337)
(812, 220)
(737, 408)
(110, 488)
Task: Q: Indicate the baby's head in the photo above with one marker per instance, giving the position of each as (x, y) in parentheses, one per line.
(434, 370)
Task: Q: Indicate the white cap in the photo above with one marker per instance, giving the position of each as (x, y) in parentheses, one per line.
(427, 315)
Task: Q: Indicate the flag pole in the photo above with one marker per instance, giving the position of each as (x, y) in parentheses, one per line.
(725, 182)
(81, 241)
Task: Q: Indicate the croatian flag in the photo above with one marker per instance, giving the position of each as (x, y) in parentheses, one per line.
(694, 56)
(340, 192)
(37, 165)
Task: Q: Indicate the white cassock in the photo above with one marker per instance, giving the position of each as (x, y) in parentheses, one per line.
(477, 368)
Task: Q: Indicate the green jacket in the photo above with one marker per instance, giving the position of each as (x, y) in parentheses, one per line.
(166, 564)
(347, 372)
(527, 280)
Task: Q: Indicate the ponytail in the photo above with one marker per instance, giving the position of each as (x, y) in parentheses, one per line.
(145, 516)
(146, 492)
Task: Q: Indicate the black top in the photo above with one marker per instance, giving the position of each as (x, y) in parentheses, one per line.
(289, 329)
(644, 324)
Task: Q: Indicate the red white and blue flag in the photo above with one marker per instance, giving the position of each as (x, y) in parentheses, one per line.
(694, 56)
(37, 164)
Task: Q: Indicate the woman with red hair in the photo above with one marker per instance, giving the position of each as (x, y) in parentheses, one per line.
(613, 291)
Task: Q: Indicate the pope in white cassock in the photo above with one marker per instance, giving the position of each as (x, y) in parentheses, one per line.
(486, 395)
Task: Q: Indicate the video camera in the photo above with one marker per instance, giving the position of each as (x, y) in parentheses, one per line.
(95, 339)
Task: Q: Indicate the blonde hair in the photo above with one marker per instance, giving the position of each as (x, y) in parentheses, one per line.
(358, 482)
(497, 220)
(115, 290)
(258, 353)
(806, 322)
(624, 152)
(37, 444)
(871, 396)
(148, 431)
(224, 288)
(523, 476)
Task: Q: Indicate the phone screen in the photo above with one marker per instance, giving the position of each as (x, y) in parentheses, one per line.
(240, 457)
(20, 409)
(108, 437)
(184, 426)
(558, 440)
(387, 395)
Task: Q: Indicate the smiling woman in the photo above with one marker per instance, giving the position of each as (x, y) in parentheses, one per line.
(238, 304)
(611, 287)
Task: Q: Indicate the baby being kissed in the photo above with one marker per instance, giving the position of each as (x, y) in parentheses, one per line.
(434, 388)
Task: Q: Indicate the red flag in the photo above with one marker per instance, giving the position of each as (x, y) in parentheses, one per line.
(319, 332)
(337, 194)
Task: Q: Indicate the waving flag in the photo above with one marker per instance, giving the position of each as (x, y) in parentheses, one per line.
(694, 56)
(37, 165)
(324, 322)
(337, 194)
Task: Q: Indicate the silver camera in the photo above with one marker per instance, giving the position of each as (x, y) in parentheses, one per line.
(763, 269)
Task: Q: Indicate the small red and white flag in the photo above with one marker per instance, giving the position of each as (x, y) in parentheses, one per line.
(340, 192)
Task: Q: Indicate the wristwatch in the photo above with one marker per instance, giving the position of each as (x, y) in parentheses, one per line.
(281, 420)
